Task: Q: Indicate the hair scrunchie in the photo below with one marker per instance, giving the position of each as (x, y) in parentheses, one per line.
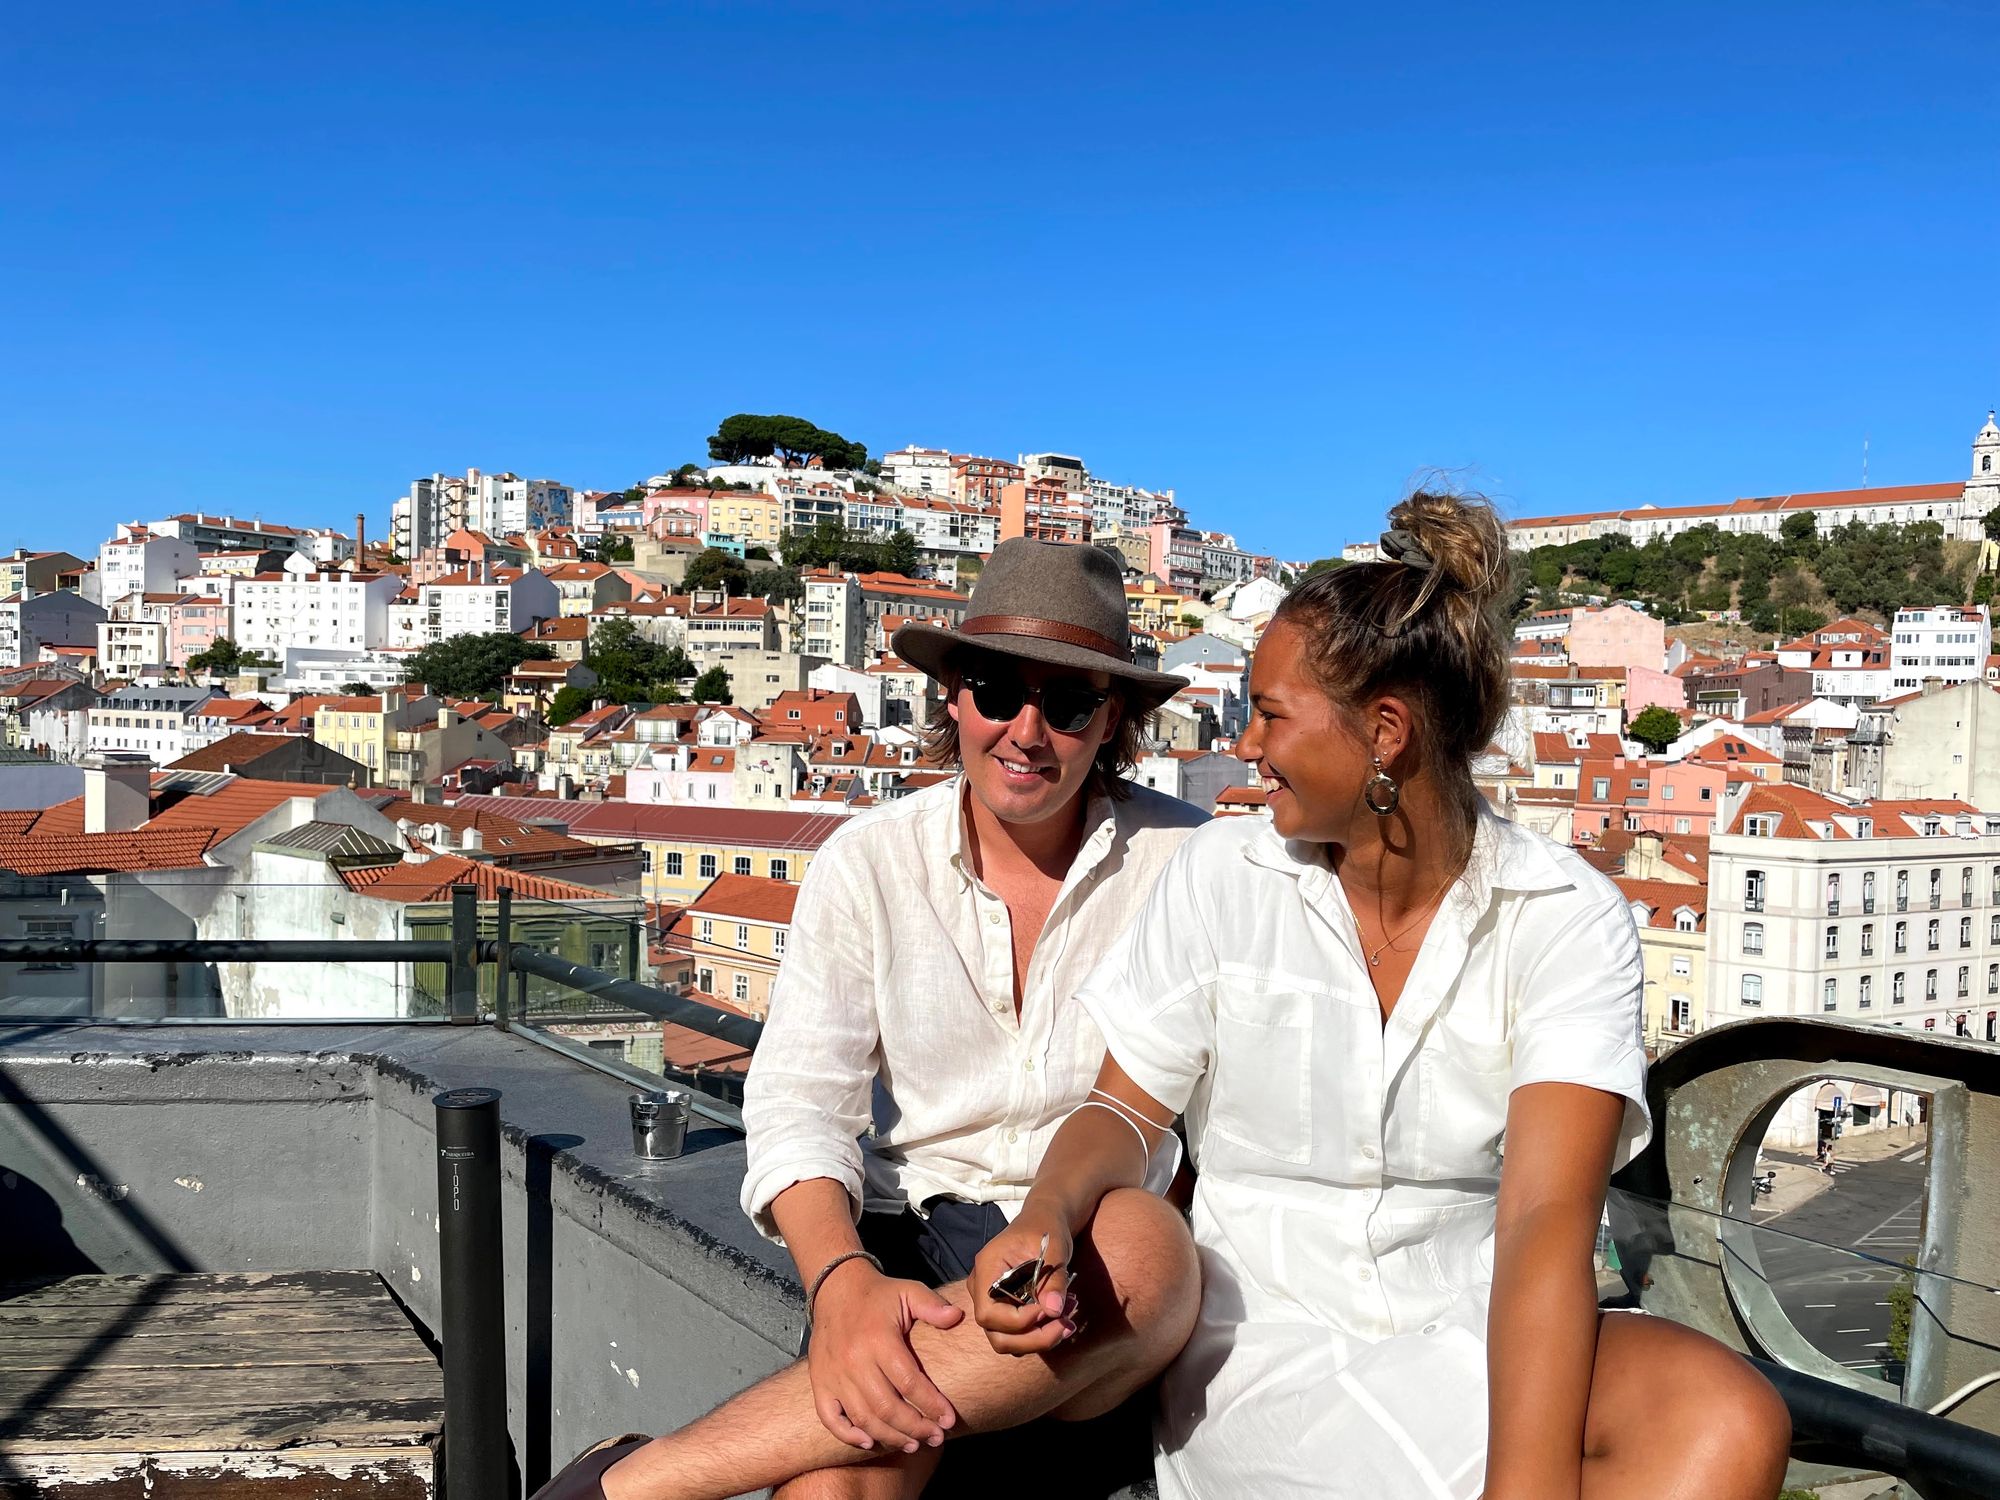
(1403, 547)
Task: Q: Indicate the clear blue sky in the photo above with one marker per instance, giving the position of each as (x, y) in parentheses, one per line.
(281, 259)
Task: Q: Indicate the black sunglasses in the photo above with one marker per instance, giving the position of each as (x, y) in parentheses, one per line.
(1066, 704)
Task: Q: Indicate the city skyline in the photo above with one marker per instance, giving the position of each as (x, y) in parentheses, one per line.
(282, 265)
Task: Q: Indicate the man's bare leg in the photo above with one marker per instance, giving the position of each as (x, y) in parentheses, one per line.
(901, 1476)
(1140, 1288)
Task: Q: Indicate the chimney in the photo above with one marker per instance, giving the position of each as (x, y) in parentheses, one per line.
(117, 793)
(473, 841)
(360, 536)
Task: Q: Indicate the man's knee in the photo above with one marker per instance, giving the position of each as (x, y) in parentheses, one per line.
(899, 1477)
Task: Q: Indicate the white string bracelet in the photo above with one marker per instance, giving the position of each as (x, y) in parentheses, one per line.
(1128, 1109)
(1144, 1150)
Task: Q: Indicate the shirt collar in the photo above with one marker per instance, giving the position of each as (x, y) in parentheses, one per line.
(1505, 856)
(1100, 825)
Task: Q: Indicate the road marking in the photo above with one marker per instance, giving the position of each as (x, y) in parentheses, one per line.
(1883, 1345)
(1812, 1305)
(1853, 1330)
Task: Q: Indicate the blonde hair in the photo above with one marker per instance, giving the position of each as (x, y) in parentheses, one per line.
(1423, 624)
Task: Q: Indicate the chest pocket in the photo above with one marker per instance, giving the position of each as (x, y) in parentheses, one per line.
(1262, 1098)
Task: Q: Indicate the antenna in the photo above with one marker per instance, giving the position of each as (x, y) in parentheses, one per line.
(1864, 460)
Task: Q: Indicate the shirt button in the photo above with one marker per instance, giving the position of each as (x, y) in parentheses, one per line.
(1028, 1066)
(1368, 1153)
(1364, 1274)
(993, 917)
(1430, 1328)
(1013, 1136)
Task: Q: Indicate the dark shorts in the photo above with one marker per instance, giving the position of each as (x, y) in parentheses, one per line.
(1068, 1460)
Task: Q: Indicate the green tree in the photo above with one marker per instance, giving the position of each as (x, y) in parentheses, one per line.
(613, 549)
(1789, 592)
(628, 665)
(779, 585)
(746, 436)
(757, 554)
(221, 656)
(1655, 728)
(566, 705)
(357, 689)
(899, 554)
(711, 687)
(712, 568)
(472, 666)
(1990, 523)
(1982, 589)
(1325, 565)
(1798, 531)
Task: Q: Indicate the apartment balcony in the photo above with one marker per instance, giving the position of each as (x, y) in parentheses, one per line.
(165, 1167)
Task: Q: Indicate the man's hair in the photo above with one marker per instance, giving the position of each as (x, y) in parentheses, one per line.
(1116, 757)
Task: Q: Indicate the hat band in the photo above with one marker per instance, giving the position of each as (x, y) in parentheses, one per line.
(1047, 630)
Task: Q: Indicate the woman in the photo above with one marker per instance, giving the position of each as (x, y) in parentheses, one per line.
(1358, 1004)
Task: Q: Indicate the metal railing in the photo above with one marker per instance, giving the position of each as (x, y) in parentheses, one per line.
(466, 957)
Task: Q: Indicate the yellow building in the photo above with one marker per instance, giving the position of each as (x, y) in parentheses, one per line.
(753, 517)
(1673, 938)
(686, 848)
(729, 943)
(1152, 606)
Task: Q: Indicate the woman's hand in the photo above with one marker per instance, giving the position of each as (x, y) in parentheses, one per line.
(868, 1387)
(1049, 1316)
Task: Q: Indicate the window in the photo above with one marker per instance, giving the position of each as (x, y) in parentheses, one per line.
(1902, 890)
(1897, 990)
(740, 865)
(1681, 1013)
(1753, 890)
(1829, 995)
(645, 861)
(1867, 938)
(743, 935)
(781, 869)
(1761, 825)
(1753, 990)
(1753, 937)
(48, 930)
(1931, 936)
(1930, 985)
(705, 867)
(1684, 920)
(1666, 791)
(1683, 966)
(778, 943)
(1965, 886)
(1964, 980)
(1867, 1000)
(1965, 932)
(704, 980)
(1833, 895)
(1833, 942)
(1600, 788)
(1993, 892)
(739, 989)
(1937, 882)
(1902, 937)
(1930, 1023)
(1993, 979)
(673, 861)
(704, 929)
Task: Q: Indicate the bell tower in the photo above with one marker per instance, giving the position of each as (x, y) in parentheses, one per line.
(1982, 490)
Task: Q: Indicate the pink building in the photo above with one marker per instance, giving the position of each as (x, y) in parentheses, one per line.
(1656, 796)
(1647, 687)
(192, 626)
(686, 502)
(1617, 637)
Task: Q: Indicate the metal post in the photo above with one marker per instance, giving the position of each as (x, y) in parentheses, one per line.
(473, 1315)
(503, 929)
(635, 949)
(462, 978)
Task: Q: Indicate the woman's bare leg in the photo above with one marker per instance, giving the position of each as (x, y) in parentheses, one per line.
(1674, 1415)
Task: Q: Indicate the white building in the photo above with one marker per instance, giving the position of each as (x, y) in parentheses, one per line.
(209, 533)
(30, 621)
(864, 684)
(139, 560)
(497, 504)
(318, 670)
(926, 470)
(508, 504)
(1849, 660)
(1947, 641)
(346, 612)
(157, 722)
(1887, 912)
(832, 624)
(477, 601)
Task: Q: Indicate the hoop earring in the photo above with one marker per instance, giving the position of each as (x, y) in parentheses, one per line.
(1380, 791)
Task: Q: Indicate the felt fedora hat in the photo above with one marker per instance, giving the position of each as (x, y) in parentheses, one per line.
(1053, 602)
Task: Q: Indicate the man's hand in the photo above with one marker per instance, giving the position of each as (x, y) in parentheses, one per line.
(867, 1386)
(1049, 1316)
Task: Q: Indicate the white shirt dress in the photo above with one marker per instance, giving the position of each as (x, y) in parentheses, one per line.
(1349, 1169)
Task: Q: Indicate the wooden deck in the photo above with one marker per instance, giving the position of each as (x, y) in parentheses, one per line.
(277, 1385)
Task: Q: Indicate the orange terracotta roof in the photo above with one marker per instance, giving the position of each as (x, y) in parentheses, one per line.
(243, 748)
(1663, 898)
(433, 879)
(750, 897)
(94, 853)
(1734, 750)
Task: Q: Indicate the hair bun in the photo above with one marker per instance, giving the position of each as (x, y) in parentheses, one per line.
(1460, 537)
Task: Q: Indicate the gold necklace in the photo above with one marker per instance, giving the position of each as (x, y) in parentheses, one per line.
(1375, 958)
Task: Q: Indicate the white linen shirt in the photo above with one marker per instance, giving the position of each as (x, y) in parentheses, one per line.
(899, 973)
(1345, 1206)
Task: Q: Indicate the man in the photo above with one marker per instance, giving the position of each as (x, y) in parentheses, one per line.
(926, 993)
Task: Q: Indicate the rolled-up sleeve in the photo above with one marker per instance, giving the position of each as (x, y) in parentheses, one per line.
(1582, 1017)
(1152, 995)
(806, 1101)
